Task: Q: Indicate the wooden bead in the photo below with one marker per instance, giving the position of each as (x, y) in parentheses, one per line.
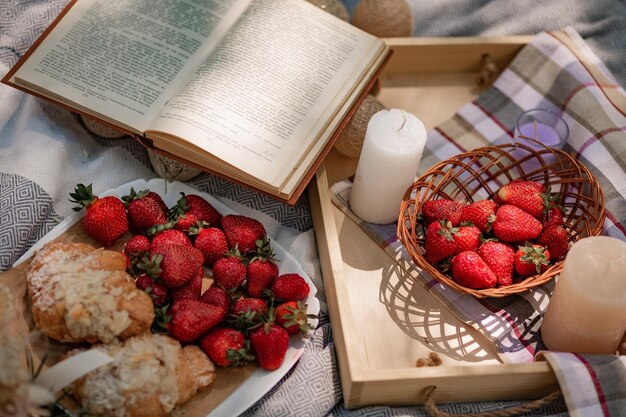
(351, 139)
(98, 128)
(385, 19)
(171, 169)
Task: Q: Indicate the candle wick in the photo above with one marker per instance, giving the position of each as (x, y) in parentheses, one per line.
(403, 123)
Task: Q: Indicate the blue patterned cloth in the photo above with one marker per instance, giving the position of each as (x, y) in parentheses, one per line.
(45, 151)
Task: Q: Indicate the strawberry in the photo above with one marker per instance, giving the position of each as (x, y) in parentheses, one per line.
(229, 272)
(179, 264)
(469, 270)
(247, 314)
(440, 242)
(529, 196)
(217, 296)
(162, 316)
(290, 287)
(170, 237)
(515, 225)
(135, 249)
(262, 269)
(191, 209)
(143, 211)
(157, 292)
(212, 242)
(261, 275)
(269, 344)
(249, 305)
(147, 264)
(242, 232)
(143, 282)
(293, 317)
(191, 319)
(191, 290)
(203, 210)
(531, 260)
(137, 246)
(105, 218)
(481, 214)
(556, 239)
(500, 258)
(553, 217)
(442, 209)
(226, 347)
(467, 238)
(128, 264)
(157, 200)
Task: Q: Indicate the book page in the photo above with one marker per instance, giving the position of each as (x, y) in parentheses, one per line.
(122, 59)
(259, 101)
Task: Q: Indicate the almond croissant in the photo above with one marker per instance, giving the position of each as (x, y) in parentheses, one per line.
(149, 376)
(83, 294)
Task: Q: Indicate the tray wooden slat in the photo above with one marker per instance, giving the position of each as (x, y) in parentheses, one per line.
(383, 320)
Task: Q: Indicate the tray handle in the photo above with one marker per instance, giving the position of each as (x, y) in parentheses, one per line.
(433, 411)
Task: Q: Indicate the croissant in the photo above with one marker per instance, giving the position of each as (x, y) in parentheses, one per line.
(149, 376)
(83, 294)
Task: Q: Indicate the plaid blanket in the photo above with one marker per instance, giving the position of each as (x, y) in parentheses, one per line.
(592, 385)
(557, 71)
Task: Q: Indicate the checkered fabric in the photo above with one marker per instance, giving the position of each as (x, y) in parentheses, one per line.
(592, 385)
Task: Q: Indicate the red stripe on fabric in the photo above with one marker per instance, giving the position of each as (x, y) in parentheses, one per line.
(596, 384)
(513, 324)
(588, 143)
(449, 139)
(492, 117)
(582, 87)
(589, 72)
(613, 220)
(597, 136)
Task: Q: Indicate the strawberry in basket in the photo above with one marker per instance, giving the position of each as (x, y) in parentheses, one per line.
(491, 243)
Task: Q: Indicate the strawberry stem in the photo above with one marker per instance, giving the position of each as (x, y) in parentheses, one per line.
(83, 195)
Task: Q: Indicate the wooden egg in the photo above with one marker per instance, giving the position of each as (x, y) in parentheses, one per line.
(385, 19)
(171, 169)
(351, 139)
(334, 7)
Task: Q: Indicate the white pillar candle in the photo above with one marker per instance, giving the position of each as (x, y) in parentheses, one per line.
(587, 311)
(393, 146)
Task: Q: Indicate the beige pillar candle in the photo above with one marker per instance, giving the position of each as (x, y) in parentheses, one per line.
(587, 311)
(393, 146)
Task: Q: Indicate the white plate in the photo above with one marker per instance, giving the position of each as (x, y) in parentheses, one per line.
(261, 381)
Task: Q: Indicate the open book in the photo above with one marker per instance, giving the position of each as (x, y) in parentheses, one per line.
(255, 91)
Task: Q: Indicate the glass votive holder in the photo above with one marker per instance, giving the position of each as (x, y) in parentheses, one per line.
(542, 125)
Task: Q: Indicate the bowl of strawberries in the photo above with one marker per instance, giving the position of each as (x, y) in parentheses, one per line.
(499, 220)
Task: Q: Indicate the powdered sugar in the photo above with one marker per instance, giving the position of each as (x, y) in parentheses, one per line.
(40, 281)
(61, 278)
(90, 308)
(143, 366)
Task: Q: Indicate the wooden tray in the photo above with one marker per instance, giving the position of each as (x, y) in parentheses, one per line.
(382, 320)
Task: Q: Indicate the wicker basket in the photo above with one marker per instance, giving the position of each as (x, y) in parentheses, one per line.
(478, 174)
